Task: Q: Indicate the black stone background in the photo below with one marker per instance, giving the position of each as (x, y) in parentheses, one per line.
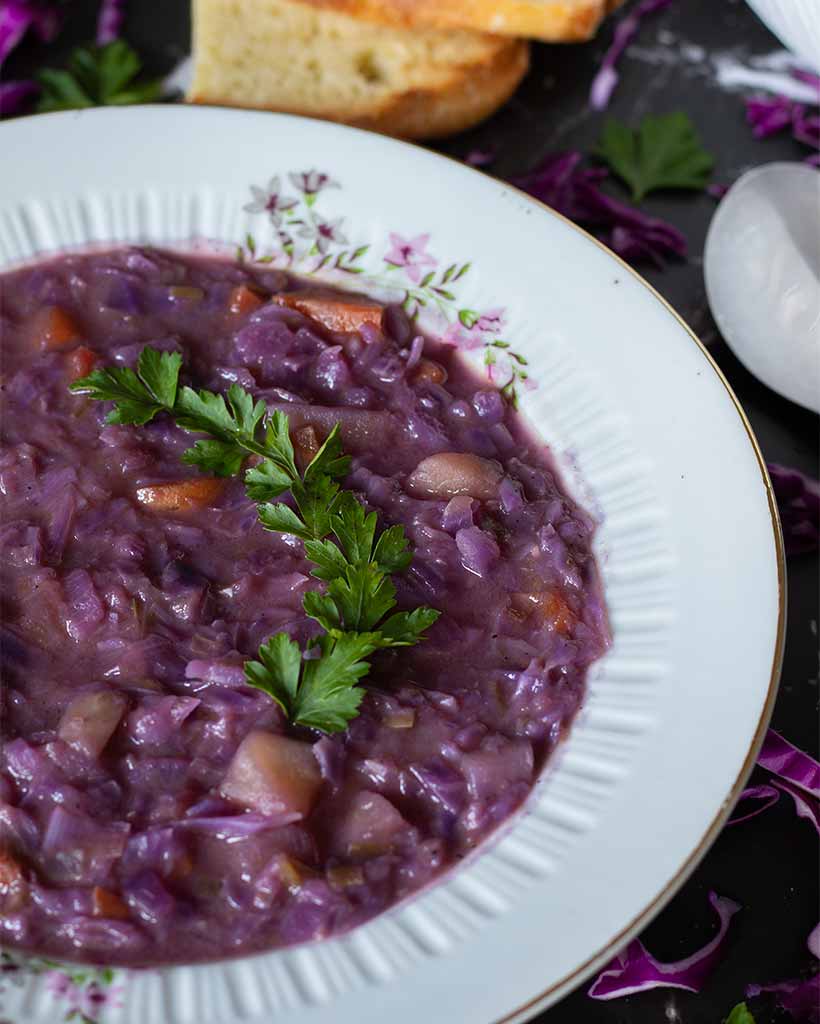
(770, 864)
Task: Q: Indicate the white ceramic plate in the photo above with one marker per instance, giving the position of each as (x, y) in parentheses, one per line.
(651, 439)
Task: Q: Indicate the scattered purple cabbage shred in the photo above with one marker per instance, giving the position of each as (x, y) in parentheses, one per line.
(572, 190)
(480, 157)
(605, 81)
(636, 970)
(109, 21)
(798, 500)
(800, 998)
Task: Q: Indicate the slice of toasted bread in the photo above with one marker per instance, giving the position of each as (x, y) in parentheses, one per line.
(290, 56)
(554, 21)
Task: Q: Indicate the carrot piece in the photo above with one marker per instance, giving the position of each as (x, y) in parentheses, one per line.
(54, 328)
(80, 362)
(549, 606)
(556, 610)
(244, 300)
(305, 445)
(181, 494)
(13, 886)
(335, 314)
(430, 372)
(108, 904)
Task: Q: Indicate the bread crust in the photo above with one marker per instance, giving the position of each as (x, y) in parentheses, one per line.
(552, 21)
(455, 94)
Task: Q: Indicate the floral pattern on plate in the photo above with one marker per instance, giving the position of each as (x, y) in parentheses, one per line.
(403, 268)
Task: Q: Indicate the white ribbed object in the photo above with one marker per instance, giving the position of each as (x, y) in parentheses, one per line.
(649, 438)
(796, 23)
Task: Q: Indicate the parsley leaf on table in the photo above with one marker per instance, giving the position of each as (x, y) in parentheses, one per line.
(97, 76)
(664, 152)
(740, 1015)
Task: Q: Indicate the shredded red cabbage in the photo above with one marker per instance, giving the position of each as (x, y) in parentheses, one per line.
(771, 114)
(800, 998)
(480, 157)
(798, 500)
(15, 95)
(806, 805)
(604, 82)
(808, 77)
(109, 21)
(636, 970)
(18, 16)
(560, 182)
(789, 764)
(767, 794)
(768, 115)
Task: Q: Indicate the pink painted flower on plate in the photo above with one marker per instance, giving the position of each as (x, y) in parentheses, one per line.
(95, 999)
(458, 335)
(411, 254)
(324, 232)
(311, 182)
(492, 321)
(60, 985)
(270, 200)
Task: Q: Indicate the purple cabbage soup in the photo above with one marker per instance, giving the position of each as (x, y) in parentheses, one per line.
(156, 808)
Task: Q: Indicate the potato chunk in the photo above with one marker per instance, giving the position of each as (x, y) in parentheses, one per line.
(274, 775)
(89, 721)
(370, 827)
(450, 473)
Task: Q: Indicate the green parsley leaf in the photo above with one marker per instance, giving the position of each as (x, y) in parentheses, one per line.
(392, 552)
(328, 696)
(740, 1015)
(267, 481)
(97, 76)
(319, 693)
(317, 503)
(323, 609)
(222, 458)
(327, 557)
(363, 596)
(330, 460)
(664, 152)
(340, 536)
(59, 90)
(138, 396)
(355, 529)
(406, 628)
(277, 671)
(159, 371)
(280, 518)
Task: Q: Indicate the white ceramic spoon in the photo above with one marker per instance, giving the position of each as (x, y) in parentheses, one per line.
(762, 269)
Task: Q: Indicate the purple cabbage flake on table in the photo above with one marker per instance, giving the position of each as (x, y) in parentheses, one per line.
(572, 190)
(798, 500)
(604, 82)
(636, 970)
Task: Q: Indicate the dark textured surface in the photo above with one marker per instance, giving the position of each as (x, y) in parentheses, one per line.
(769, 864)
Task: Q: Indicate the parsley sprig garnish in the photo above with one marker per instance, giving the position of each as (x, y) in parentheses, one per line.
(663, 152)
(355, 563)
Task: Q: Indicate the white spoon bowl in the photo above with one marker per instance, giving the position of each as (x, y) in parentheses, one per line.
(762, 270)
